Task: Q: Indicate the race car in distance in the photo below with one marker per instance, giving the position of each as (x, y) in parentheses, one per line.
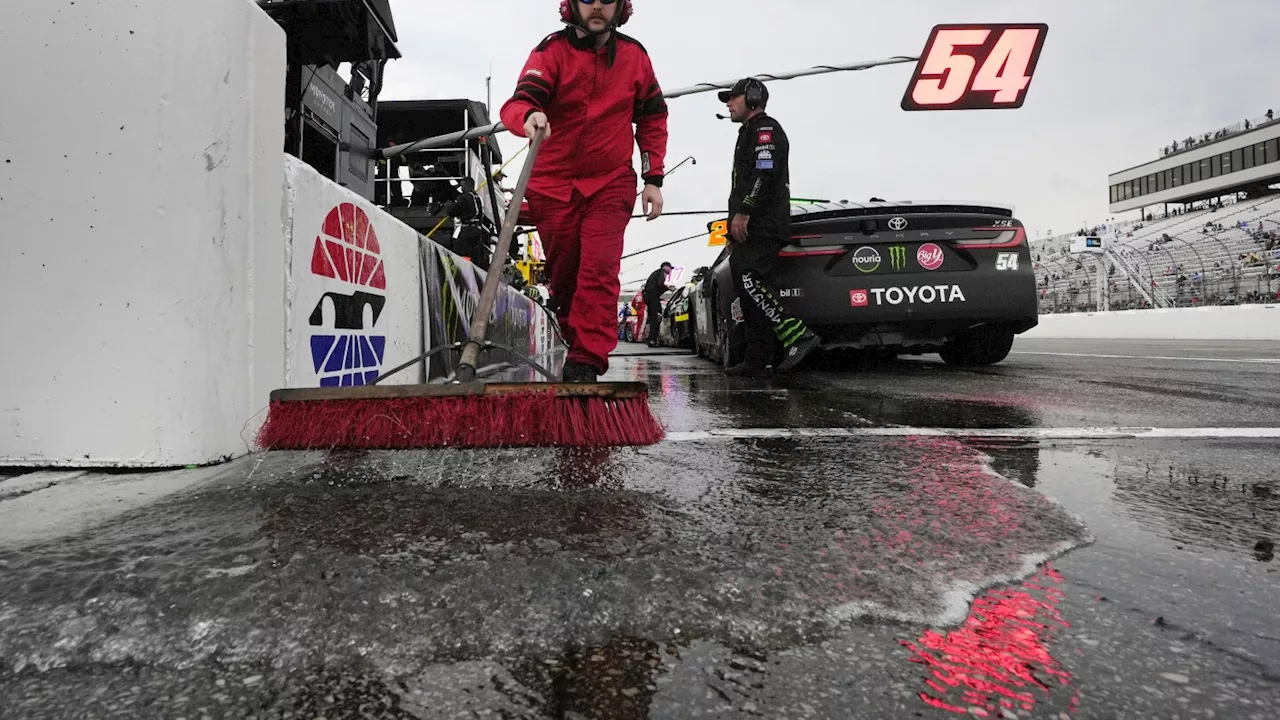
(907, 279)
(675, 329)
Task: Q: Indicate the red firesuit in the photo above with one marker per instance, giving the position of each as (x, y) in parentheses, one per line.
(583, 188)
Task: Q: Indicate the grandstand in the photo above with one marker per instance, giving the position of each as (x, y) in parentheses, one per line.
(1214, 241)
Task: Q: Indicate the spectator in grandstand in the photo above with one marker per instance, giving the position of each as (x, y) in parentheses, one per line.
(1270, 116)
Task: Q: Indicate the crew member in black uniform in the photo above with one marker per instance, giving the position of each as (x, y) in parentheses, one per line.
(759, 227)
(654, 287)
(475, 231)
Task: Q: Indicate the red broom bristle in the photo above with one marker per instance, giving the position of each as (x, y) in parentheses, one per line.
(533, 418)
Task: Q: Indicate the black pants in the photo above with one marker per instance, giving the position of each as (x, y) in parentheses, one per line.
(767, 321)
(473, 242)
(653, 317)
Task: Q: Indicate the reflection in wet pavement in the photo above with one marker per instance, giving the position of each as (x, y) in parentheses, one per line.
(1000, 660)
(700, 400)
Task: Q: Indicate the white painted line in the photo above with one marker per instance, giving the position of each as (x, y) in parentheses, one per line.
(1027, 432)
(1254, 361)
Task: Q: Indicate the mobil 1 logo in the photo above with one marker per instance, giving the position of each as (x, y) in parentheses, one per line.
(866, 259)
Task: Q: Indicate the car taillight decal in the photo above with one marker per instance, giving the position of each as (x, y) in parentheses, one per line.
(792, 251)
(1008, 238)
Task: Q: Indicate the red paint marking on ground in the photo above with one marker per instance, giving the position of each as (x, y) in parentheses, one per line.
(1000, 655)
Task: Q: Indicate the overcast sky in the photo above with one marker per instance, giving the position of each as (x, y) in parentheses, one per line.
(1117, 80)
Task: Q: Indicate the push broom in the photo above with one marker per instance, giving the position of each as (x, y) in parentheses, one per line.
(465, 412)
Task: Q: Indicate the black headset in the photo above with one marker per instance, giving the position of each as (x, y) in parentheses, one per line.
(755, 93)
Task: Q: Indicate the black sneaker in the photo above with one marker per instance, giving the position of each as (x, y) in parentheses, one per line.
(796, 354)
(576, 372)
(749, 369)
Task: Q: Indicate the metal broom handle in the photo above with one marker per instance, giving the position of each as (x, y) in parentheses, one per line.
(493, 278)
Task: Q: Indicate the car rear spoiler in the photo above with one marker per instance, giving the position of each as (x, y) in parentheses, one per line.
(801, 212)
(935, 223)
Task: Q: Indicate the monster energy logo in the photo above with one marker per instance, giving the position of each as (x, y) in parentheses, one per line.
(898, 257)
(788, 330)
(771, 310)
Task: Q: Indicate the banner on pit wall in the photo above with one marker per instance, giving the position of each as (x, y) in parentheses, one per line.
(451, 286)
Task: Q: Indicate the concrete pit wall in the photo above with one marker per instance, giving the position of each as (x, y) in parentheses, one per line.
(167, 266)
(1227, 322)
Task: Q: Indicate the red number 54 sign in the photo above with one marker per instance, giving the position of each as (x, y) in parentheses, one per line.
(975, 67)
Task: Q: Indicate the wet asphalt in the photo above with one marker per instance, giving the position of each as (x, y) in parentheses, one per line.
(882, 564)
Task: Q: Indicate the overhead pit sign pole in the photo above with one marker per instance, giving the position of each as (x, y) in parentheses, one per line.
(495, 128)
(963, 67)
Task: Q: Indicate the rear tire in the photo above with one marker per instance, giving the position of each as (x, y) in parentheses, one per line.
(985, 346)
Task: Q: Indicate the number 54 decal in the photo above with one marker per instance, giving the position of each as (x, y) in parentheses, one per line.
(1007, 261)
(975, 67)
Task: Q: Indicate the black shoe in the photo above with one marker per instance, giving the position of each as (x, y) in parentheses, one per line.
(749, 369)
(576, 372)
(796, 354)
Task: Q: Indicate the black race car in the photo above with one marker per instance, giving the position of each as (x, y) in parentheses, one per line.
(905, 279)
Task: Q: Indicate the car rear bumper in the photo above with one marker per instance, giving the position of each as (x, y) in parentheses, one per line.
(913, 309)
(918, 335)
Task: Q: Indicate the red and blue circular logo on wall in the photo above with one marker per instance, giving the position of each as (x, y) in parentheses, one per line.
(346, 348)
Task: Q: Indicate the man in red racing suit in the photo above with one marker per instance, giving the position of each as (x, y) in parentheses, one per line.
(588, 84)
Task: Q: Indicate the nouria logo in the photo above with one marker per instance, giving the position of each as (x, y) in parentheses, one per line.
(929, 256)
(866, 259)
(344, 349)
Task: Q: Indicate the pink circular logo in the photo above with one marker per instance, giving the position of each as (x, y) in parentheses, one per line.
(929, 256)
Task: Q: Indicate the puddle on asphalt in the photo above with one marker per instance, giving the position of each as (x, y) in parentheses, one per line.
(1229, 503)
(461, 556)
(602, 583)
(1216, 496)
